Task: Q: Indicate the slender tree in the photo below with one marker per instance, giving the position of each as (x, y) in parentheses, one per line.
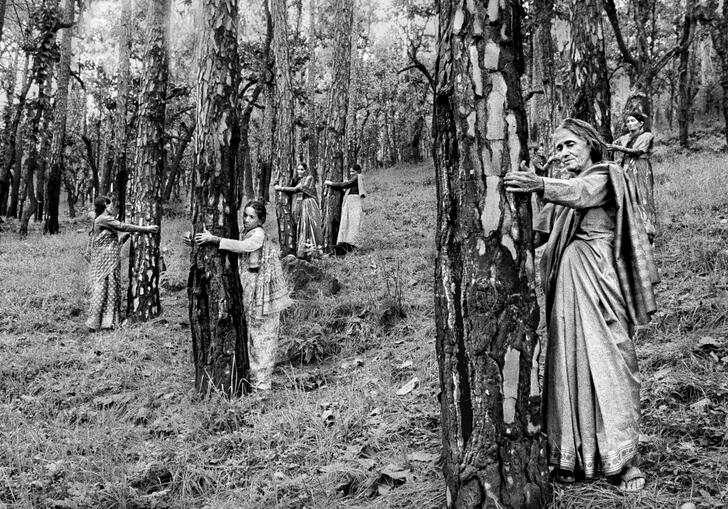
(267, 150)
(485, 304)
(685, 79)
(335, 135)
(60, 111)
(143, 301)
(312, 137)
(284, 161)
(719, 34)
(589, 78)
(213, 288)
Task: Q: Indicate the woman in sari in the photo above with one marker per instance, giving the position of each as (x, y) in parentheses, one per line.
(597, 273)
(105, 303)
(636, 146)
(265, 291)
(305, 211)
(348, 237)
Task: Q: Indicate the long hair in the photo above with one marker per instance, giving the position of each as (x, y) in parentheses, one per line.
(586, 131)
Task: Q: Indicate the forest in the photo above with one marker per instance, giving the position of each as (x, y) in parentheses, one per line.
(182, 112)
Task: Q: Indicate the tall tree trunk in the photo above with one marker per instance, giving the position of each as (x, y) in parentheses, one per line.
(2, 17)
(10, 139)
(53, 187)
(589, 78)
(685, 96)
(719, 35)
(312, 137)
(215, 295)
(485, 305)
(28, 202)
(266, 152)
(284, 161)
(143, 301)
(335, 136)
(13, 210)
(542, 105)
(119, 169)
(245, 165)
(175, 165)
(351, 109)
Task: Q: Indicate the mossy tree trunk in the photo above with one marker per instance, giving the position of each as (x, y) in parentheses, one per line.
(485, 305)
(335, 134)
(146, 205)
(213, 288)
(589, 74)
(283, 162)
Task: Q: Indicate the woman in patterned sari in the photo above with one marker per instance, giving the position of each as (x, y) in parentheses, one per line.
(306, 212)
(597, 271)
(636, 146)
(265, 291)
(105, 303)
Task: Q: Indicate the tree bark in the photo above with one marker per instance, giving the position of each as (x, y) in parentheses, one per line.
(53, 186)
(589, 78)
(284, 161)
(485, 305)
(174, 167)
(542, 105)
(719, 35)
(214, 291)
(685, 96)
(119, 169)
(312, 137)
(335, 137)
(143, 303)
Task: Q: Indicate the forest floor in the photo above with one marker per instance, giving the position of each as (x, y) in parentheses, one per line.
(112, 420)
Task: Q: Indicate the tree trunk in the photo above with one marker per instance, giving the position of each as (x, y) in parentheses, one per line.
(684, 79)
(284, 161)
(119, 169)
(719, 35)
(13, 210)
(267, 149)
(335, 137)
(311, 118)
(245, 165)
(589, 78)
(53, 187)
(215, 295)
(10, 141)
(542, 105)
(142, 303)
(2, 17)
(485, 305)
(27, 191)
(175, 165)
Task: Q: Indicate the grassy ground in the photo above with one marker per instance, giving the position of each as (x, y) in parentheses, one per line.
(110, 420)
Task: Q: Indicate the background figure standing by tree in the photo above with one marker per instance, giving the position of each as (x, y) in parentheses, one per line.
(305, 211)
(348, 237)
(105, 306)
(636, 146)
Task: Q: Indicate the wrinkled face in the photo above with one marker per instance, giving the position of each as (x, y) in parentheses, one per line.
(300, 171)
(633, 124)
(573, 151)
(250, 218)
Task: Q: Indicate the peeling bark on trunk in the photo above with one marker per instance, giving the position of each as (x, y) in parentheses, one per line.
(335, 137)
(215, 295)
(589, 78)
(53, 187)
(119, 169)
(284, 161)
(485, 305)
(143, 302)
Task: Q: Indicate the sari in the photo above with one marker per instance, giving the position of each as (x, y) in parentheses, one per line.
(105, 301)
(597, 272)
(639, 170)
(307, 217)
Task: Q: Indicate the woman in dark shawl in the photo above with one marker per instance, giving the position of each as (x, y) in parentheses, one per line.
(597, 272)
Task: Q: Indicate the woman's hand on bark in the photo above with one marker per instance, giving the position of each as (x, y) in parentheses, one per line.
(522, 181)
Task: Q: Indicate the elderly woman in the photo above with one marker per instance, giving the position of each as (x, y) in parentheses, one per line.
(636, 146)
(265, 292)
(597, 272)
(306, 212)
(105, 302)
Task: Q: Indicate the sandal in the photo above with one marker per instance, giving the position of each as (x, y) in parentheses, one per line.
(627, 477)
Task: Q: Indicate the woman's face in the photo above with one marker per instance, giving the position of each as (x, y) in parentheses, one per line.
(632, 124)
(110, 210)
(573, 151)
(250, 218)
(300, 171)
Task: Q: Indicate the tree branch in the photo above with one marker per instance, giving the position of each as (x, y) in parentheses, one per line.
(611, 10)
